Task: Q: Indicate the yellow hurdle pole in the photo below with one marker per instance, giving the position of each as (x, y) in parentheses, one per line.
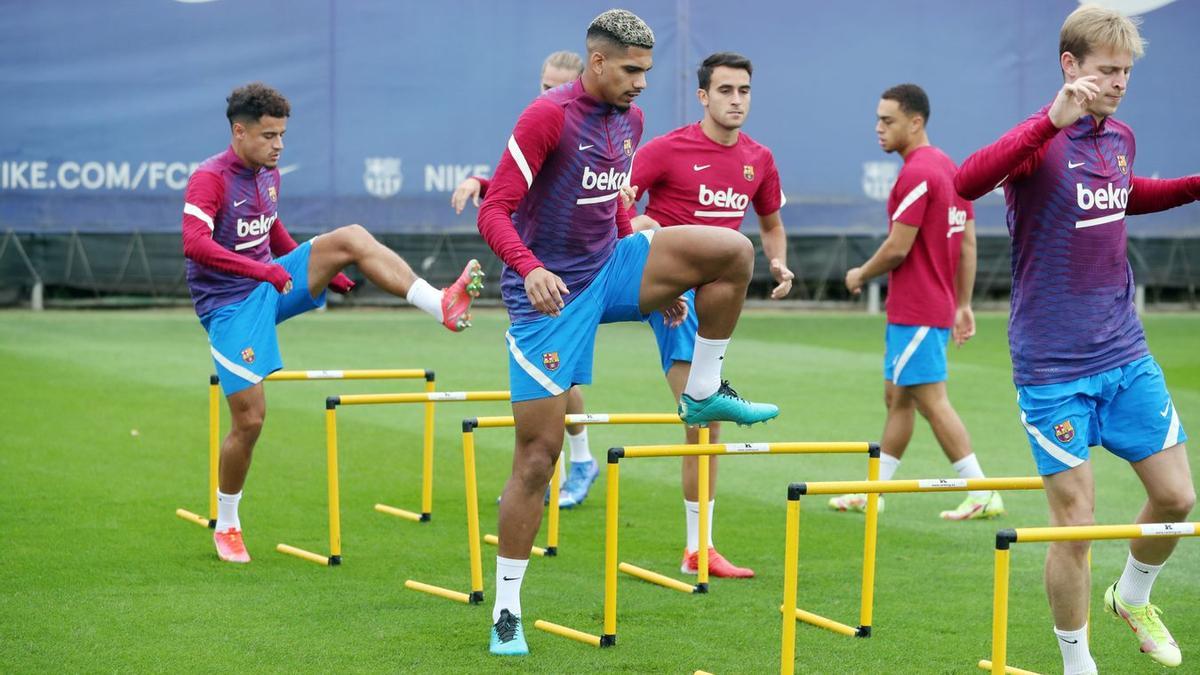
(533, 549)
(305, 555)
(399, 513)
(826, 623)
(192, 517)
(702, 471)
(866, 611)
(1096, 532)
(214, 446)
(686, 450)
(335, 524)
(427, 456)
(986, 664)
(656, 578)
(472, 491)
(928, 485)
(438, 591)
(571, 633)
(552, 517)
(609, 638)
(1000, 606)
(787, 663)
(374, 374)
(422, 397)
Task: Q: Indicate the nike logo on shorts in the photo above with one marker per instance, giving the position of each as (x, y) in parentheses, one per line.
(1165, 410)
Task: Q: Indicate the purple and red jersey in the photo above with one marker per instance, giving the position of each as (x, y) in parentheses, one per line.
(553, 201)
(231, 227)
(1068, 192)
(921, 290)
(692, 179)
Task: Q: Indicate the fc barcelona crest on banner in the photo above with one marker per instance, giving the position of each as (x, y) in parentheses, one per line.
(248, 354)
(1064, 432)
(274, 195)
(629, 147)
(550, 360)
(1122, 164)
(748, 171)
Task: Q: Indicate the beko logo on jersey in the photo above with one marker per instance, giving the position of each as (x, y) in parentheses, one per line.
(1106, 197)
(724, 199)
(260, 225)
(957, 219)
(609, 180)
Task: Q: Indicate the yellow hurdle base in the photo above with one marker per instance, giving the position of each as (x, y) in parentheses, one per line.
(495, 541)
(828, 624)
(193, 518)
(402, 513)
(986, 664)
(656, 578)
(438, 591)
(569, 633)
(329, 561)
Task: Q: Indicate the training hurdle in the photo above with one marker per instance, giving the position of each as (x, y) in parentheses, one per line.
(612, 508)
(469, 426)
(214, 419)
(331, 405)
(1006, 538)
(873, 488)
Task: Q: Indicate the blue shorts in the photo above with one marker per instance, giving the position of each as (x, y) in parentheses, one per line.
(1127, 409)
(915, 354)
(242, 336)
(548, 355)
(678, 343)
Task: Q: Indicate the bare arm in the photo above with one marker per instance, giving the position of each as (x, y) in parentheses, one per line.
(774, 243)
(964, 287)
(891, 253)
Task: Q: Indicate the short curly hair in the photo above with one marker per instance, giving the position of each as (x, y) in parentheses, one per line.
(250, 102)
(621, 27)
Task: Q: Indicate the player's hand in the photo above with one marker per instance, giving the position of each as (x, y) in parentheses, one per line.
(278, 277)
(854, 280)
(341, 284)
(628, 196)
(783, 276)
(643, 222)
(468, 189)
(545, 290)
(675, 313)
(1072, 101)
(964, 326)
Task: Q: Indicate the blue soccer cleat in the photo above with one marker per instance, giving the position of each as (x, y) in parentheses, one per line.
(508, 636)
(579, 482)
(725, 406)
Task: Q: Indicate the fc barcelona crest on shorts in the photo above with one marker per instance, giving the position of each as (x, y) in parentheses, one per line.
(248, 354)
(274, 195)
(550, 360)
(1122, 164)
(629, 147)
(748, 171)
(1064, 432)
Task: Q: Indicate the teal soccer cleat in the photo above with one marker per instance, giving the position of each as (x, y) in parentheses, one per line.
(725, 406)
(508, 636)
(579, 483)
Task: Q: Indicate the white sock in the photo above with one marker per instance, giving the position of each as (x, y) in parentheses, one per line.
(968, 467)
(887, 466)
(692, 511)
(1077, 658)
(1136, 581)
(509, 573)
(704, 378)
(579, 447)
(227, 511)
(426, 297)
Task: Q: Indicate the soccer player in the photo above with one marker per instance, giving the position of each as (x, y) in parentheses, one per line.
(707, 173)
(1083, 371)
(247, 274)
(558, 69)
(929, 257)
(552, 216)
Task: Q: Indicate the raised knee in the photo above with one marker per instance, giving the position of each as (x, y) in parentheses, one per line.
(354, 238)
(250, 422)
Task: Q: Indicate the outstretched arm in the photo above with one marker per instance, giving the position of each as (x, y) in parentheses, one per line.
(1151, 195)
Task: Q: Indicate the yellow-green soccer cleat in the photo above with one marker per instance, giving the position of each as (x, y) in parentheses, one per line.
(852, 502)
(1155, 639)
(974, 508)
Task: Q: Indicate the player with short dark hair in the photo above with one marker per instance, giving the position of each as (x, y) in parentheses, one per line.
(553, 217)
(247, 274)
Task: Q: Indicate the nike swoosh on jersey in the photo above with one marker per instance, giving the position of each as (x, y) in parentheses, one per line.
(700, 167)
(1075, 165)
(585, 147)
(237, 204)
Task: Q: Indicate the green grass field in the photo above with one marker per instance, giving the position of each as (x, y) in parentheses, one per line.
(99, 575)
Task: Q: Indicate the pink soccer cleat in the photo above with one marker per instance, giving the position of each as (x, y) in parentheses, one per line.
(230, 547)
(718, 566)
(456, 299)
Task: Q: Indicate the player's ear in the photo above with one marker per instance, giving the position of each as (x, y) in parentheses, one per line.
(702, 95)
(1069, 65)
(596, 61)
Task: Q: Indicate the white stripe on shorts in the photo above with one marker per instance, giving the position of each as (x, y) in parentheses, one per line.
(530, 369)
(1048, 445)
(1173, 430)
(234, 368)
(909, 350)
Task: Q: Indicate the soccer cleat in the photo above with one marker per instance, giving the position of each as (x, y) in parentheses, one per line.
(579, 482)
(508, 636)
(1155, 639)
(973, 508)
(718, 566)
(457, 298)
(853, 502)
(229, 545)
(725, 406)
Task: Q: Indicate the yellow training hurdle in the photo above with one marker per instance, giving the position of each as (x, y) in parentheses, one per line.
(331, 404)
(609, 636)
(469, 426)
(1006, 538)
(873, 488)
(214, 418)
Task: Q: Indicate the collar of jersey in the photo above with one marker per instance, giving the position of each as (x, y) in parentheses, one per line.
(236, 165)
